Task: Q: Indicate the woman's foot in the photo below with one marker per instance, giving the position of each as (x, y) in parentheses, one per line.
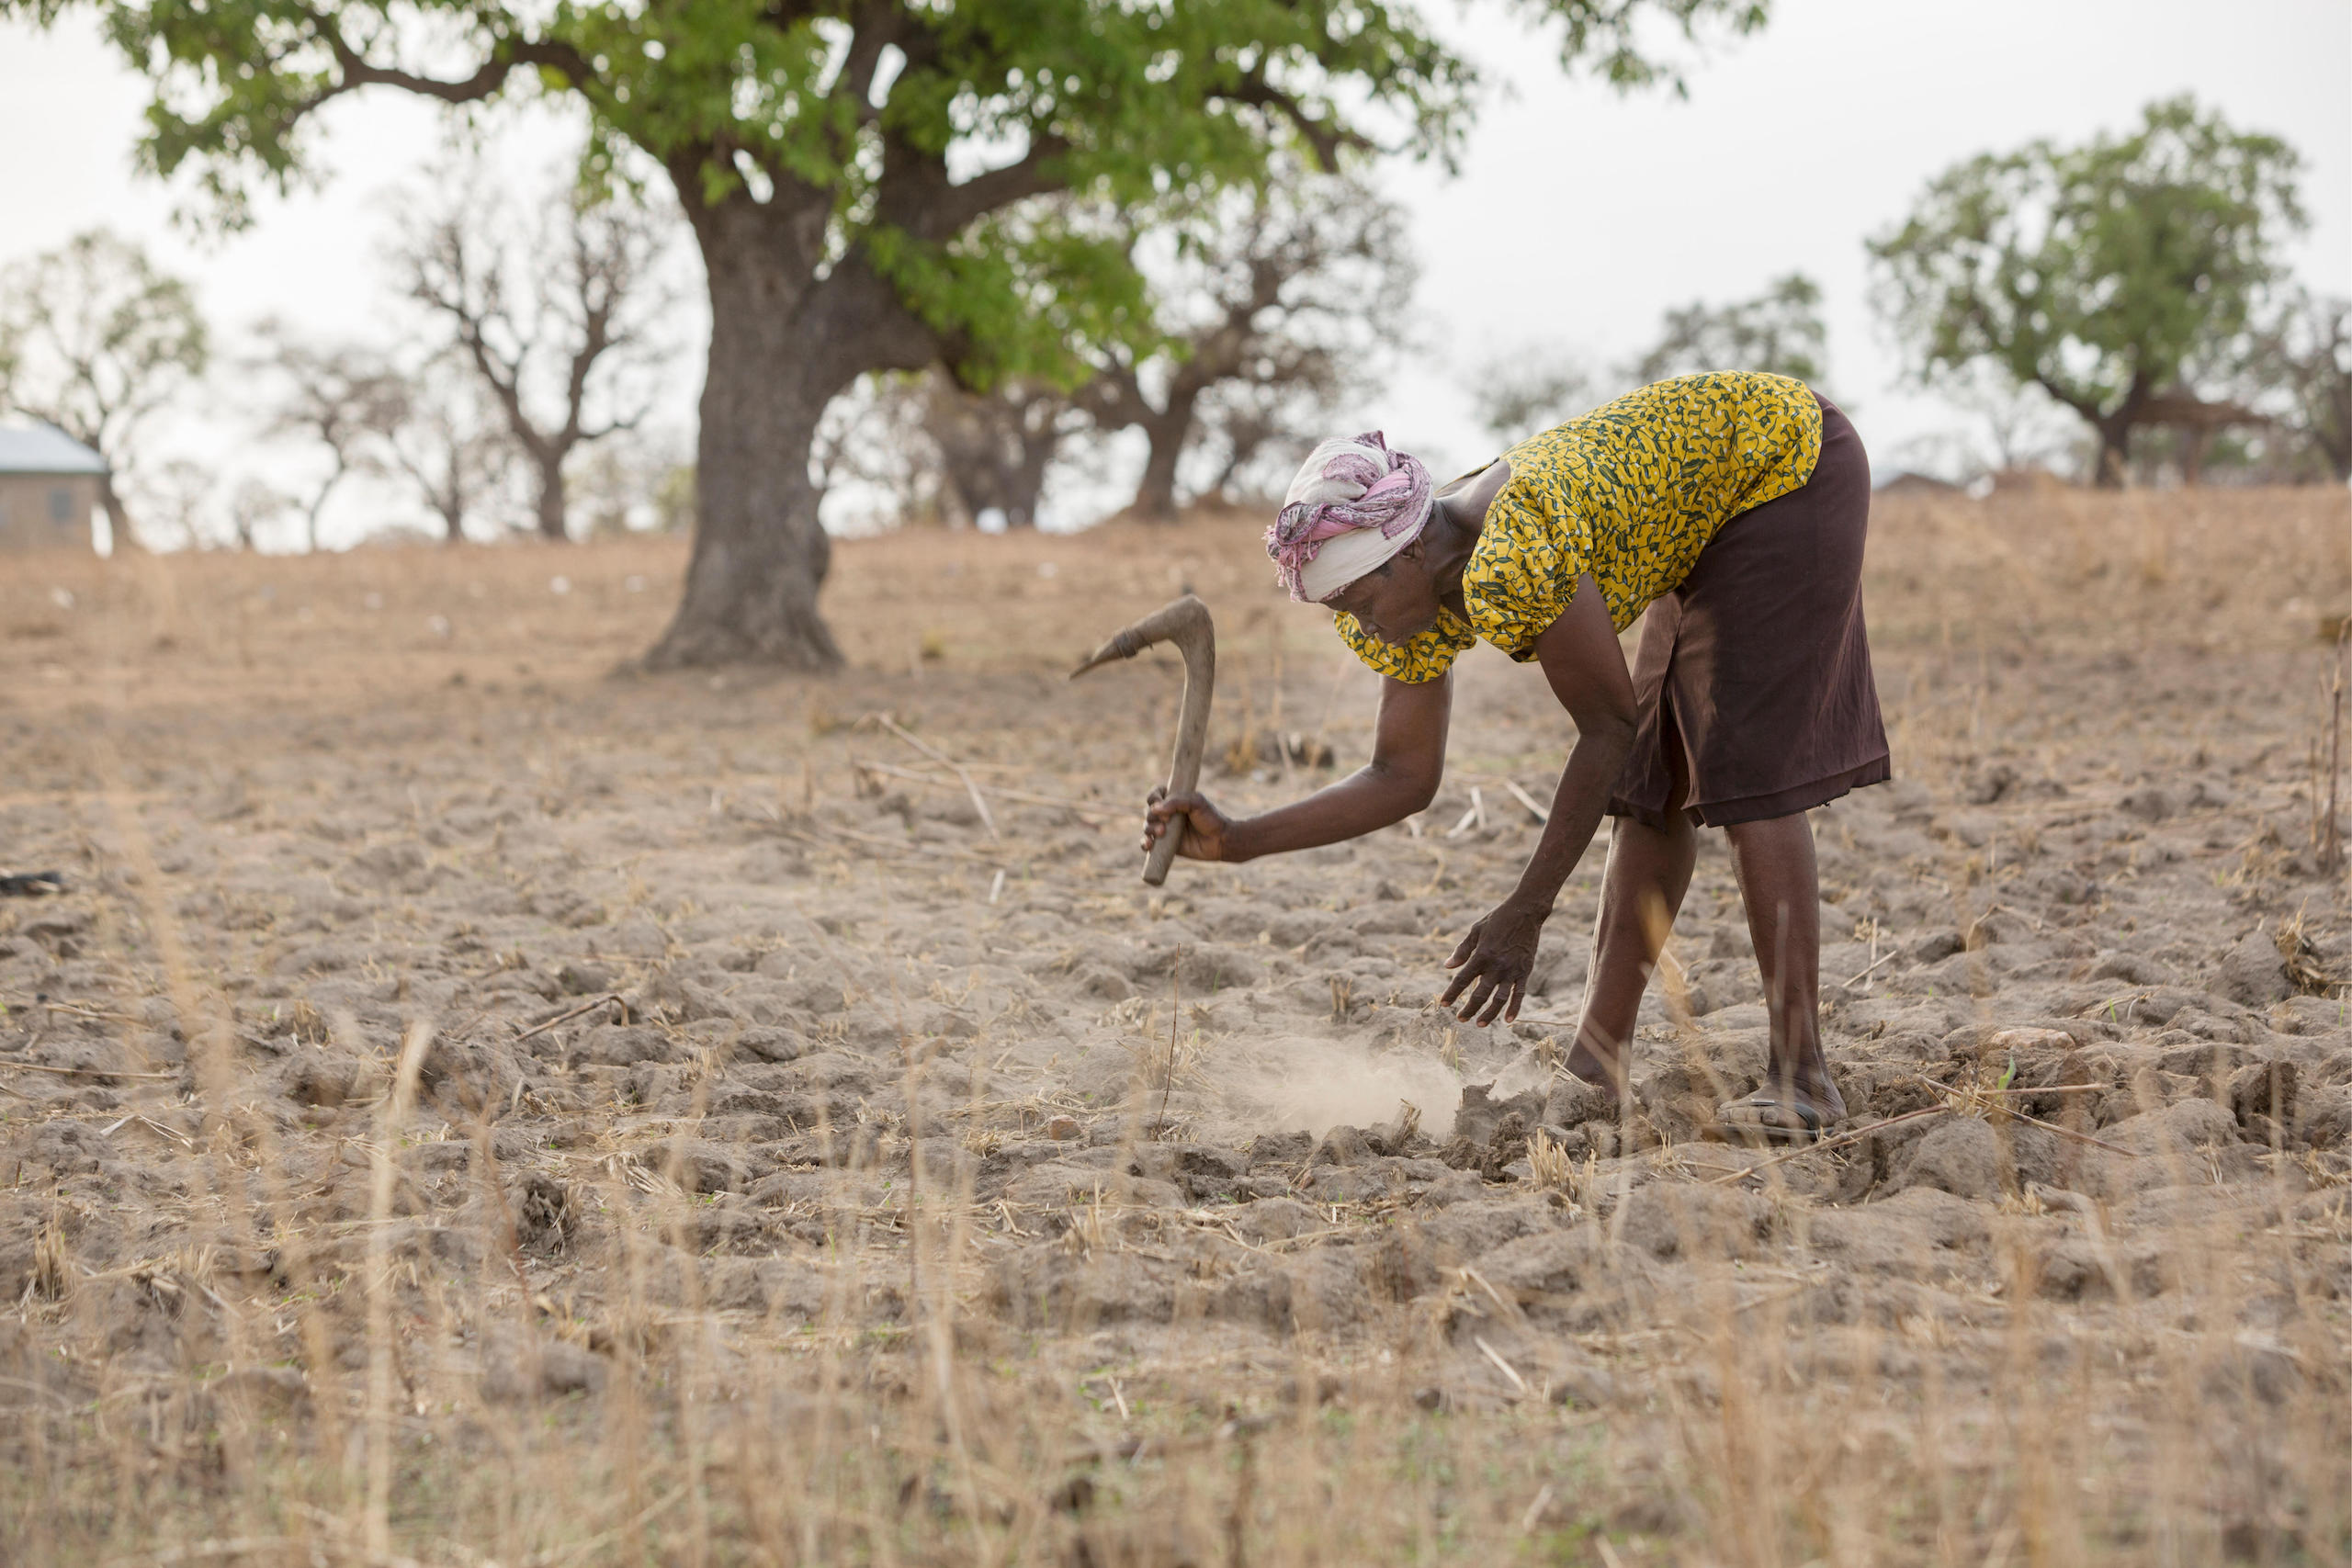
(1767, 1118)
(1603, 1074)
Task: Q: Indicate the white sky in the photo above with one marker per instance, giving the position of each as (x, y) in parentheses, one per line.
(1578, 218)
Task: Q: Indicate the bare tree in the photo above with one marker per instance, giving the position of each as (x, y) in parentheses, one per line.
(454, 454)
(551, 314)
(1267, 313)
(1254, 431)
(1271, 306)
(2298, 363)
(256, 502)
(872, 464)
(93, 339)
(995, 447)
(174, 496)
(338, 397)
(2013, 427)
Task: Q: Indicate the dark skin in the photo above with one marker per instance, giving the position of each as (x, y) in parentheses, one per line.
(1649, 868)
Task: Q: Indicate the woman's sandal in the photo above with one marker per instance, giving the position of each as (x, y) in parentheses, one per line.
(1769, 1121)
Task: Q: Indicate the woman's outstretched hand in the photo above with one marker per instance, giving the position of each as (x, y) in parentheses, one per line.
(1204, 825)
(1495, 960)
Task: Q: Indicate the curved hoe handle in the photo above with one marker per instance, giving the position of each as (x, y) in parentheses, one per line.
(1186, 624)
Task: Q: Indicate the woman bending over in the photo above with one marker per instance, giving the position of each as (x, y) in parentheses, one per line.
(1732, 507)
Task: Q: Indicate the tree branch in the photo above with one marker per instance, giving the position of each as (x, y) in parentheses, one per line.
(1324, 139)
(936, 212)
(876, 25)
(2082, 406)
(356, 71)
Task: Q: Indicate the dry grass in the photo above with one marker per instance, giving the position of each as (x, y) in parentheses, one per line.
(322, 1292)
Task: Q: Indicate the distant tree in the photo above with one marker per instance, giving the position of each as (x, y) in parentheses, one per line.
(673, 500)
(171, 499)
(2101, 274)
(254, 505)
(617, 489)
(1268, 306)
(95, 339)
(1536, 386)
(995, 447)
(1274, 300)
(1252, 432)
(339, 398)
(2178, 428)
(1533, 389)
(606, 485)
(454, 454)
(1780, 330)
(2299, 362)
(2017, 425)
(873, 462)
(551, 309)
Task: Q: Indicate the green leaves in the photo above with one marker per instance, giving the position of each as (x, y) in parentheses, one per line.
(1607, 34)
(2103, 272)
(871, 111)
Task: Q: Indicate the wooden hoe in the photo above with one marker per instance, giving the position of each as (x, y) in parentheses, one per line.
(1186, 624)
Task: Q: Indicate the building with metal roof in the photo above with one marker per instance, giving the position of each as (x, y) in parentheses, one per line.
(48, 488)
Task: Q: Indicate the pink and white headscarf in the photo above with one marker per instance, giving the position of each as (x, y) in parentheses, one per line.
(1354, 505)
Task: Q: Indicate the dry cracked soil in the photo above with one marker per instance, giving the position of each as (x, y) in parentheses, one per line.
(472, 1106)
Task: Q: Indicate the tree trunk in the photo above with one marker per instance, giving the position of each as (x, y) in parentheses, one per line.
(1027, 485)
(1156, 496)
(760, 555)
(118, 534)
(2193, 439)
(2114, 452)
(551, 501)
(2115, 434)
(783, 341)
(2332, 431)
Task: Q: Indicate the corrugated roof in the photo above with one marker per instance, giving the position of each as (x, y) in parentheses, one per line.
(30, 447)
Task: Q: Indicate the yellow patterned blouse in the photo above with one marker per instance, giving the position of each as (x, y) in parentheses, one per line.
(1630, 493)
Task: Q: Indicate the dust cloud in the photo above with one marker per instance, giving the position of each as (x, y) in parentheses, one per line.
(1291, 1082)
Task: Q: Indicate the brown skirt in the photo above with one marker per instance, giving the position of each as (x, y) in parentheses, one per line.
(1759, 661)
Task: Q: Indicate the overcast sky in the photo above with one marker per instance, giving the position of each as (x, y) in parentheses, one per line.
(1579, 215)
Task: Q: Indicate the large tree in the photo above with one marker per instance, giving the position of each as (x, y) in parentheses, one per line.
(2103, 273)
(861, 177)
(95, 339)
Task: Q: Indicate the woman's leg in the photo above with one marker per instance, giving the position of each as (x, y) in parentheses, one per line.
(1649, 870)
(1773, 862)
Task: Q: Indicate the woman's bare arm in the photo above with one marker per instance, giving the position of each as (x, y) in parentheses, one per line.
(1408, 762)
(1586, 667)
